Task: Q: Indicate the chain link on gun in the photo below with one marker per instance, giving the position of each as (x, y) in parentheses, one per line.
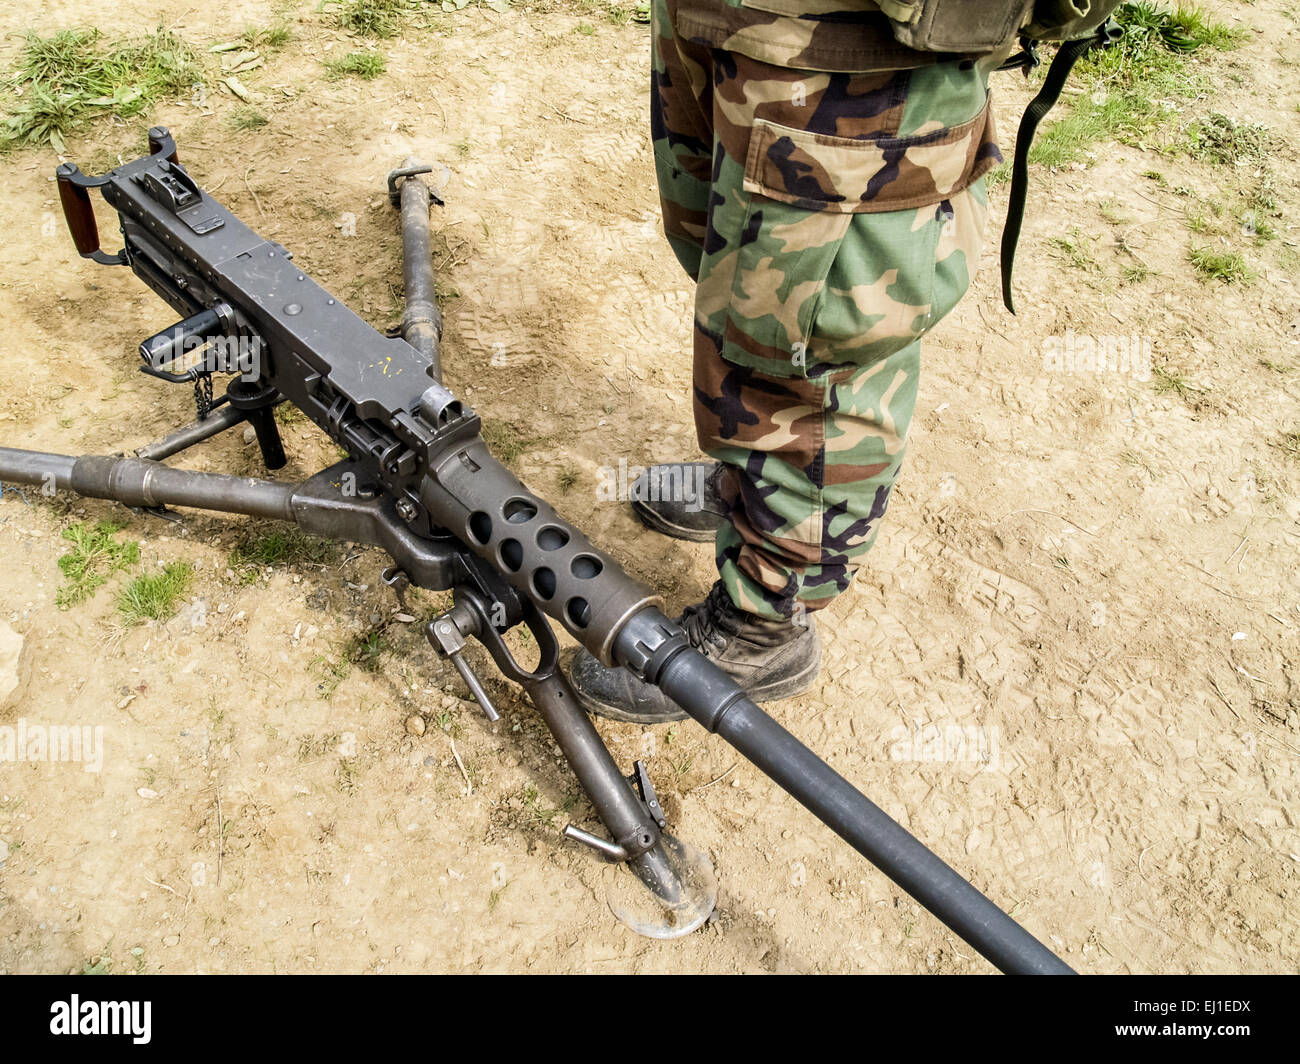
(203, 395)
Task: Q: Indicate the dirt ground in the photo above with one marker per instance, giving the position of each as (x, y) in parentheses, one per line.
(1070, 666)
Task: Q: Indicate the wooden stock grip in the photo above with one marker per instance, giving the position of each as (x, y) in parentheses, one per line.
(78, 212)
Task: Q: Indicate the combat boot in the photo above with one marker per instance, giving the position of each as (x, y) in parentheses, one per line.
(768, 659)
(680, 499)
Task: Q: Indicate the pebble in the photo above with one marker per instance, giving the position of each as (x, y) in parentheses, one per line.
(415, 724)
(145, 792)
(249, 435)
(12, 662)
(172, 940)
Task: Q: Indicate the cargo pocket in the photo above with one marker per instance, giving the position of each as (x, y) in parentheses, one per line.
(818, 285)
(872, 174)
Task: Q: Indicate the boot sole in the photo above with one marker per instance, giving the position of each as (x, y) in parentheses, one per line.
(656, 523)
(769, 692)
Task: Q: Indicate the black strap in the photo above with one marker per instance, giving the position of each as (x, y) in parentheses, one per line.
(1057, 73)
(1024, 60)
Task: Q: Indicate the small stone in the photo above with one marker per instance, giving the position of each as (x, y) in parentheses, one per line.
(14, 667)
(415, 724)
(145, 792)
(172, 940)
(249, 435)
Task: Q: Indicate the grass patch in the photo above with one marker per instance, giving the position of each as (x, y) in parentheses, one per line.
(364, 65)
(94, 557)
(622, 14)
(1261, 230)
(311, 747)
(1290, 444)
(505, 441)
(345, 776)
(330, 674)
(1216, 265)
(536, 812)
(155, 596)
(1129, 87)
(284, 547)
(1186, 28)
(371, 18)
(1216, 138)
(1075, 249)
(269, 37)
(365, 651)
(64, 80)
(1170, 382)
(246, 118)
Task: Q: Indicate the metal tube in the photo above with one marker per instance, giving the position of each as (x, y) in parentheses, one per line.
(609, 791)
(36, 467)
(218, 421)
(713, 699)
(421, 321)
(611, 851)
(268, 437)
(475, 688)
(138, 482)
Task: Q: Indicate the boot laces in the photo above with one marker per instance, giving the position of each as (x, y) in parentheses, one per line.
(701, 620)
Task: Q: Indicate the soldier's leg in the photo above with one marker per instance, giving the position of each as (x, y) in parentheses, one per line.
(850, 216)
(838, 227)
(681, 127)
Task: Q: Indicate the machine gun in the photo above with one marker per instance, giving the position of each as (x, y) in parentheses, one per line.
(420, 483)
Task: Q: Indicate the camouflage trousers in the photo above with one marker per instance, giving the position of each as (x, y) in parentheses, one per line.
(829, 220)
